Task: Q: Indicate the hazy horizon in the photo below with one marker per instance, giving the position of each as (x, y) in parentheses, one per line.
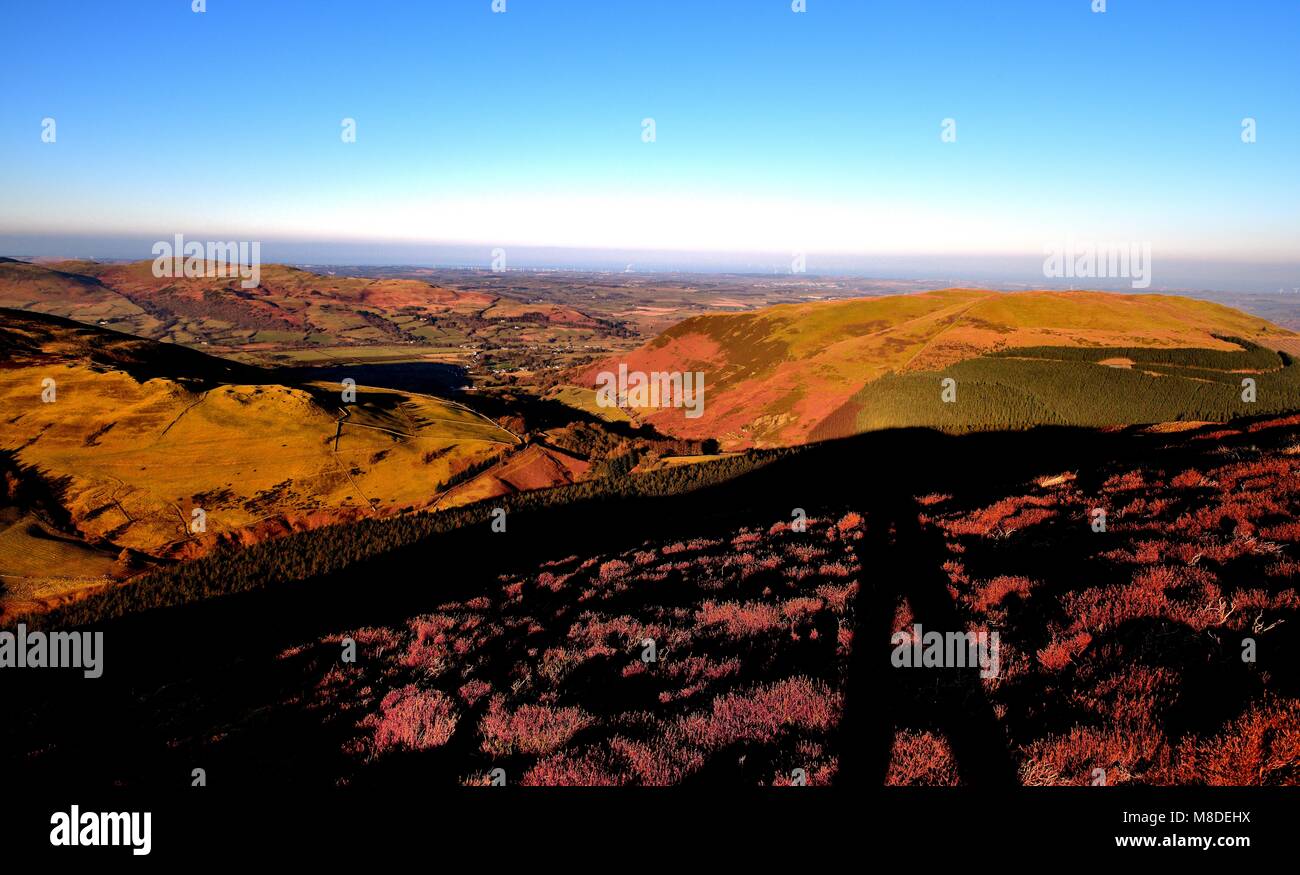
(993, 270)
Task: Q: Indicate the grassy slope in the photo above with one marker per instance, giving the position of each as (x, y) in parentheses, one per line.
(773, 375)
(135, 452)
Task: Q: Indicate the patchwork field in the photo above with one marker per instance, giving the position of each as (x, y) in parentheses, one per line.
(293, 316)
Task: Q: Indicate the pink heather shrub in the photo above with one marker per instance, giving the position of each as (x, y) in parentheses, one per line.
(1262, 747)
(800, 608)
(532, 729)
(473, 690)
(1258, 600)
(414, 719)
(1280, 422)
(1124, 752)
(1287, 568)
(660, 763)
(1102, 608)
(590, 769)
(844, 640)
(956, 572)
(1126, 482)
(614, 569)
(995, 592)
(921, 758)
(557, 662)
(903, 621)
(740, 620)
(837, 596)
(805, 554)
(553, 582)
(1130, 697)
(696, 674)
(334, 686)
(1219, 435)
(1059, 654)
(438, 639)
(1158, 579)
(1004, 516)
(607, 636)
(378, 641)
(1288, 531)
(835, 569)
(763, 714)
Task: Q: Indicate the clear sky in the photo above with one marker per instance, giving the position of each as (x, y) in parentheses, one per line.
(775, 131)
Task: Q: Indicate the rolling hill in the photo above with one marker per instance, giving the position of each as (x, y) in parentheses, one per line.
(125, 439)
(791, 373)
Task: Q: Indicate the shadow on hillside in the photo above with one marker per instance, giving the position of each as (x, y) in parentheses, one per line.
(180, 672)
(428, 378)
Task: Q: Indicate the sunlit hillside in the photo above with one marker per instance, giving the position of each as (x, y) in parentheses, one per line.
(773, 376)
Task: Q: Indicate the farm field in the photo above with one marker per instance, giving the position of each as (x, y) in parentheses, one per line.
(295, 316)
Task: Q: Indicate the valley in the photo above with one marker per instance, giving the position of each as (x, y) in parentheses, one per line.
(216, 426)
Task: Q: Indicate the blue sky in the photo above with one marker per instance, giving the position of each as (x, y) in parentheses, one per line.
(775, 131)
